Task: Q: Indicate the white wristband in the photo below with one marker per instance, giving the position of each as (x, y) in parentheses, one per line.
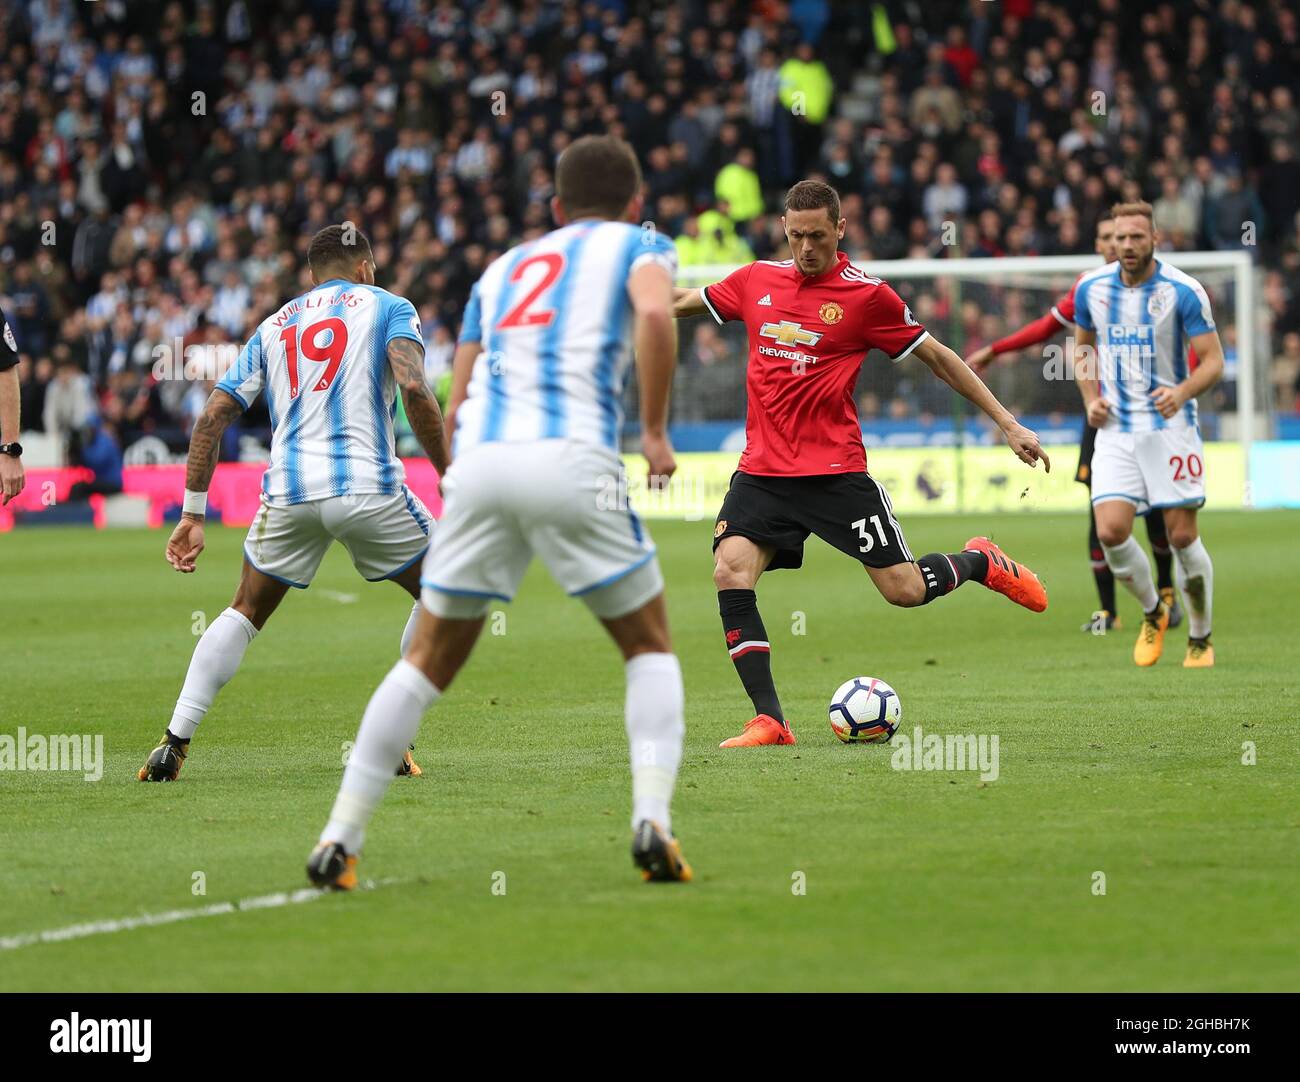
(196, 503)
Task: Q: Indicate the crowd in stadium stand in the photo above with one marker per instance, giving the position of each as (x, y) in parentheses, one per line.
(164, 164)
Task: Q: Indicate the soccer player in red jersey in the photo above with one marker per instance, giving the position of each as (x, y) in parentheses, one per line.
(810, 320)
(1040, 330)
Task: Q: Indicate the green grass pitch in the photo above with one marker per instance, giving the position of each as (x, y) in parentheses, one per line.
(913, 880)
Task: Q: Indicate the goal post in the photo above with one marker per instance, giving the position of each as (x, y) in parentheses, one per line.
(966, 301)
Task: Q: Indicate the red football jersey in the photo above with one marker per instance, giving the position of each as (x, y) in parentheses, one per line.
(807, 339)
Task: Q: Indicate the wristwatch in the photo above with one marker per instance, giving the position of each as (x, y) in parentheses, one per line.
(13, 450)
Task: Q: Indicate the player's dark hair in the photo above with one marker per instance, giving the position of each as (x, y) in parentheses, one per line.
(337, 247)
(814, 195)
(597, 175)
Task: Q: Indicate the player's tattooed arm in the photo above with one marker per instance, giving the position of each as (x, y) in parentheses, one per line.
(406, 359)
(205, 441)
(950, 368)
(186, 541)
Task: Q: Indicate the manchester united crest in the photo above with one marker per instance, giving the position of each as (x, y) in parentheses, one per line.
(830, 312)
(720, 528)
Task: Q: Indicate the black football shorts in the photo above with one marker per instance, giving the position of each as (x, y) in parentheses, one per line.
(849, 511)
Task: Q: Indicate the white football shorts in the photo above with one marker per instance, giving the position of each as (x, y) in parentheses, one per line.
(384, 535)
(1158, 469)
(562, 500)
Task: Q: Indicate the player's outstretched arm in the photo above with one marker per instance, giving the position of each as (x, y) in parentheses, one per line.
(1031, 334)
(1082, 361)
(950, 368)
(406, 359)
(654, 338)
(186, 541)
(688, 302)
(1208, 371)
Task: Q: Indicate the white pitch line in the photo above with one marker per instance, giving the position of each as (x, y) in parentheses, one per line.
(341, 598)
(171, 916)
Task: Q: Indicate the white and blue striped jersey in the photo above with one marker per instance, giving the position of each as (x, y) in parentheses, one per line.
(553, 317)
(322, 361)
(1143, 335)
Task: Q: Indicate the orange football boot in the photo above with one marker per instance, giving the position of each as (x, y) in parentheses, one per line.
(1151, 637)
(1200, 653)
(1009, 578)
(763, 729)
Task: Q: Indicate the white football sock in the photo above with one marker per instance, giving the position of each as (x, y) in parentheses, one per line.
(655, 716)
(216, 659)
(1195, 575)
(1131, 566)
(408, 632)
(387, 729)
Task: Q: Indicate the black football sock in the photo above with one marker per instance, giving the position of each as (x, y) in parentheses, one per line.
(1100, 569)
(944, 572)
(750, 650)
(1159, 539)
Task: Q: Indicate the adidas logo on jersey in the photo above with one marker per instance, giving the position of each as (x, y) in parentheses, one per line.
(766, 300)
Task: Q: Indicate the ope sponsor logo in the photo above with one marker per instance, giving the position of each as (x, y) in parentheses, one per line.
(76, 752)
(953, 751)
(77, 1034)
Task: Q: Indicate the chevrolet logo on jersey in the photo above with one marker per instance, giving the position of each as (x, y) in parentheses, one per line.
(790, 334)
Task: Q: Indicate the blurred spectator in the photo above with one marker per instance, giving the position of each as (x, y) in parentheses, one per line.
(806, 93)
(1227, 215)
(101, 453)
(945, 199)
(1176, 214)
(937, 99)
(33, 381)
(883, 240)
(29, 310)
(1285, 375)
(69, 402)
(738, 187)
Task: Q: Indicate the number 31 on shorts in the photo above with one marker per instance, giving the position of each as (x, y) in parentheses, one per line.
(861, 526)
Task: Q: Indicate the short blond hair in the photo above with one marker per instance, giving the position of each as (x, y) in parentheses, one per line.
(1143, 209)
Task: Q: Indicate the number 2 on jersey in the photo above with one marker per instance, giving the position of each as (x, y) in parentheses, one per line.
(523, 314)
(331, 355)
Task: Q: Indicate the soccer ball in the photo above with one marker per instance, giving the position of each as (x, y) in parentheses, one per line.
(865, 710)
